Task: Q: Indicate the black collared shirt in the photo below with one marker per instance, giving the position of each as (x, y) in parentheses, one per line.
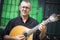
(30, 23)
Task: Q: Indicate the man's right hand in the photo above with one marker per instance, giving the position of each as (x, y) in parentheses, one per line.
(19, 37)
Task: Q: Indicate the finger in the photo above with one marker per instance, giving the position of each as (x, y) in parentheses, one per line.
(21, 36)
(43, 28)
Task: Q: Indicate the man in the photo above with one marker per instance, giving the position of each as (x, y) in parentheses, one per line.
(25, 20)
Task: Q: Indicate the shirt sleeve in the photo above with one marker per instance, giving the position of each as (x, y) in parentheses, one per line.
(37, 33)
(8, 28)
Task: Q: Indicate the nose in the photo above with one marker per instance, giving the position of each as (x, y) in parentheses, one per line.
(24, 8)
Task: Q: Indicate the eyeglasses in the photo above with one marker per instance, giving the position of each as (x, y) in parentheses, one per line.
(25, 7)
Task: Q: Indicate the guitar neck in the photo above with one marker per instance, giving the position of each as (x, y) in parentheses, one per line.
(38, 27)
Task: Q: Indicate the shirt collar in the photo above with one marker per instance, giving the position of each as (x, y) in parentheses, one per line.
(27, 19)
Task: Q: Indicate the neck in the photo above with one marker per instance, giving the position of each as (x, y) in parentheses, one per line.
(24, 18)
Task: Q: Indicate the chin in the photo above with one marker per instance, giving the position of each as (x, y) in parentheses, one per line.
(24, 15)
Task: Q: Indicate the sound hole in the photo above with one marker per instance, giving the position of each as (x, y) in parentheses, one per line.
(25, 34)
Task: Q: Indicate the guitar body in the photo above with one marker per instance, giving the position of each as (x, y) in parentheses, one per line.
(19, 30)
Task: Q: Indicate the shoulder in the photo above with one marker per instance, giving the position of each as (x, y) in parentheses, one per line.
(34, 20)
(14, 19)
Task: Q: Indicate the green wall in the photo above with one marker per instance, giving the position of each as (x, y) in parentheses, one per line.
(10, 10)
